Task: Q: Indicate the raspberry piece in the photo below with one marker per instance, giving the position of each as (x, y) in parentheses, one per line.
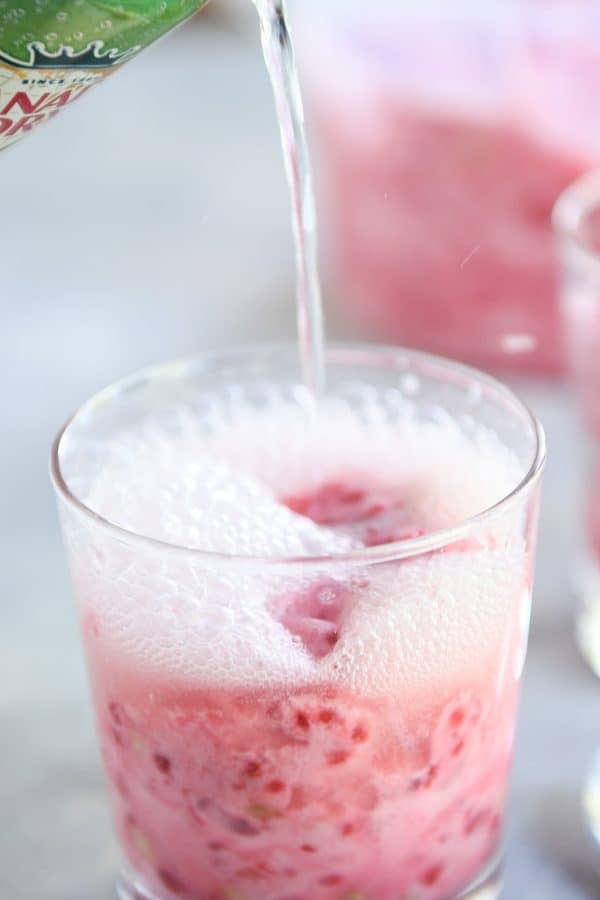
(162, 763)
(457, 732)
(117, 712)
(337, 757)
(275, 787)
(117, 736)
(475, 821)
(457, 718)
(302, 720)
(336, 503)
(431, 875)
(331, 880)
(424, 780)
(240, 826)
(314, 615)
(360, 734)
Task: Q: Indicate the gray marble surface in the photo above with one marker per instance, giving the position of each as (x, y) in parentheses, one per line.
(148, 223)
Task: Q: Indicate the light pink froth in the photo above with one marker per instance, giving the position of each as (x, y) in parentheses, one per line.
(225, 492)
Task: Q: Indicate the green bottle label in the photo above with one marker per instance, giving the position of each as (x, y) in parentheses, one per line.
(52, 51)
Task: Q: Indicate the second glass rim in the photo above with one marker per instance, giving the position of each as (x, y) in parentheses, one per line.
(335, 353)
(577, 201)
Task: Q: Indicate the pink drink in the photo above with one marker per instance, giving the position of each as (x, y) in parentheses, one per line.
(333, 731)
(445, 135)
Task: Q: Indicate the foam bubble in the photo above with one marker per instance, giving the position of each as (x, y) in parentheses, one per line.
(190, 626)
(219, 489)
(419, 625)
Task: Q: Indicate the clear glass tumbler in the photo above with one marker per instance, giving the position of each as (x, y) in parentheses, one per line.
(577, 225)
(366, 760)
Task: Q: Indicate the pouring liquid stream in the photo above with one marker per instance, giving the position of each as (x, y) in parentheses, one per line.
(279, 57)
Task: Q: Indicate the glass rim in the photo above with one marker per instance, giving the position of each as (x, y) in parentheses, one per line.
(335, 354)
(579, 199)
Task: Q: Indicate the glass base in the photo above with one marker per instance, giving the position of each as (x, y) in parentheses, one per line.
(130, 888)
(588, 616)
(487, 886)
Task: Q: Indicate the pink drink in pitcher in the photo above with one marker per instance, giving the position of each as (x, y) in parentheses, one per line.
(444, 134)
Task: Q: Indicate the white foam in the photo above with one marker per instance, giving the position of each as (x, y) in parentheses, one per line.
(422, 624)
(181, 496)
(218, 490)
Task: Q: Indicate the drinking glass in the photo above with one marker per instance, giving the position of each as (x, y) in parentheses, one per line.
(379, 772)
(577, 225)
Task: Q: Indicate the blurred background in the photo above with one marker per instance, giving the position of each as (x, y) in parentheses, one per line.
(151, 221)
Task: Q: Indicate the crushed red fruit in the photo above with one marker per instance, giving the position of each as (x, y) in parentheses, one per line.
(431, 875)
(373, 515)
(314, 615)
(162, 763)
(336, 503)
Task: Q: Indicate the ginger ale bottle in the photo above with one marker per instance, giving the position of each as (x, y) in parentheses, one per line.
(53, 51)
